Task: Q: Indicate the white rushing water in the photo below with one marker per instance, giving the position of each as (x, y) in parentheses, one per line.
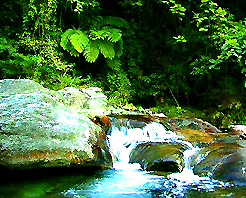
(123, 140)
(128, 180)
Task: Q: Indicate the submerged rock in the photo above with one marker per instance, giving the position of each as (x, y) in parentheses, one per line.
(36, 130)
(159, 156)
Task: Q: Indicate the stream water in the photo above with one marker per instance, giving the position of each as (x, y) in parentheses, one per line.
(124, 180)
(128, 180)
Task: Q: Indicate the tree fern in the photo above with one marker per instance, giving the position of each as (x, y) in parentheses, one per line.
(103, 38)
(111, 34)
(74, 52)
(79, 41)
(114, 64)
(106, 48)
(114, 34)
(116, 21)
(65, 42)
(118, 48)
(91, 51)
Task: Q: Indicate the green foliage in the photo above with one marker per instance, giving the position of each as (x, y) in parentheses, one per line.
(114, 21)
(120, 88)
(137, 51)
(106, 39)
(66, 43)
(12, 63)
(74, 41)
(40, 58)
(175, 8)
(106, 48)
(174, 112)
(82, 5)
(223, 33)
(79, 41)
(91, 51)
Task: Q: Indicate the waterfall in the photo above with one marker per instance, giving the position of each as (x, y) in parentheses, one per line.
(129, 180)
(123, 139)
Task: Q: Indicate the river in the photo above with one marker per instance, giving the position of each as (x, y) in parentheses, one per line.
(124, 179)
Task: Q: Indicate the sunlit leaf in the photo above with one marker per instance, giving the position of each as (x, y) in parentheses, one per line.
(91, 51)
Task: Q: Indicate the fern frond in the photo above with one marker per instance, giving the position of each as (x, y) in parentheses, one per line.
(114, 34)
(118, 48)
(116, 21)
(73, 52)
(79, 41)
(100, 34)
(91, 51)
(107, 49)
(65, 42)
(114, 64)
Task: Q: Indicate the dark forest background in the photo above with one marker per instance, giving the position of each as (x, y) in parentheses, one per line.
(183, 58)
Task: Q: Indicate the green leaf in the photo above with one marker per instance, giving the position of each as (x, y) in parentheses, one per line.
(65, 42)
(91, 51)
(243, 70)
(114, 34)
(203, 29)
(212, 61)
(106, 48)
(116, 21)
(73, 52)
(79, 40)
(114, 64)
(118, 48)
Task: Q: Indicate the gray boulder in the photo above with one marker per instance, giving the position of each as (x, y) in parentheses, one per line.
(89, 102)
(38, 130)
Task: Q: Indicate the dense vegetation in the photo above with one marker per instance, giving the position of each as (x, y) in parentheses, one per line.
(174, 56)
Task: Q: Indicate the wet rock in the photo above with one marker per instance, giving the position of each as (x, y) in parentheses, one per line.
(159, 156)
(195, 136)
(192, 123)
(39, 131)
(103, 121)
(139, 117)
(239, 130)
(225, 161)
(193, 130)
(128, 123)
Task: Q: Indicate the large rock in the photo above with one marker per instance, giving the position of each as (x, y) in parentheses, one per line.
(159, 156)
(89, 102)
(223, 159)
(36, 130)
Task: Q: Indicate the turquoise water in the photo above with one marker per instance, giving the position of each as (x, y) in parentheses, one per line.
(123, 180)
(41, 183)
(130, 182)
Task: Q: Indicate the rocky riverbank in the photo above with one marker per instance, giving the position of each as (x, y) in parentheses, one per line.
(43, 128)
(68, 128)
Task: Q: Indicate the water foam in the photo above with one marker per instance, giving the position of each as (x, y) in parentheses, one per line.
(128, 180)
(124, 139)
